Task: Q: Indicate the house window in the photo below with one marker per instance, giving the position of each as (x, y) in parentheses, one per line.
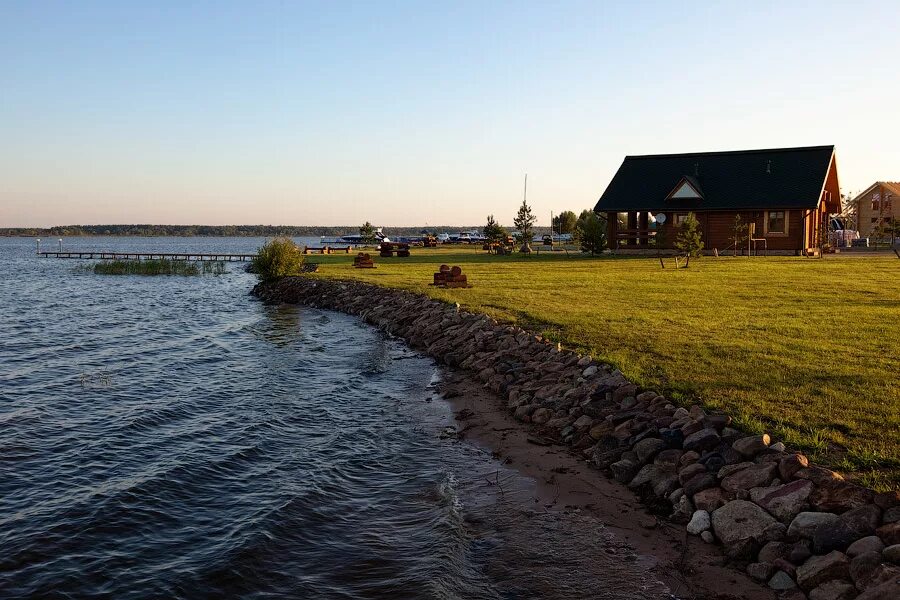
(776, 222)
(680, 218)
(876, 204)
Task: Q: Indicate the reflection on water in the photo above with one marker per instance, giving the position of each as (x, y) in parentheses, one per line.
(231, 449)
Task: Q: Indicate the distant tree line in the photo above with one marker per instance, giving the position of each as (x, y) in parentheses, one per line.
(218, 230)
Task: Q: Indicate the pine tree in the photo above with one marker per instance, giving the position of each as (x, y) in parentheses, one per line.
(591, 232)
(689, 240)
(493, 232)
(367, 233)
(739, 231)
(524, 222)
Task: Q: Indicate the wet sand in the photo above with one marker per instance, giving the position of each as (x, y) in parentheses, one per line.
(567, 484)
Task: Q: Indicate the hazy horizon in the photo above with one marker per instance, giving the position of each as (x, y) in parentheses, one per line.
(324, 114)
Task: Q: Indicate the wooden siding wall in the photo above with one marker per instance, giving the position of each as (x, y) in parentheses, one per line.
(716, 227)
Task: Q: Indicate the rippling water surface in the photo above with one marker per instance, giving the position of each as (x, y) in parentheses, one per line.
(171, 437)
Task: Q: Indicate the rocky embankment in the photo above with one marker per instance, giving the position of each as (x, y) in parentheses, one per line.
(795, 526)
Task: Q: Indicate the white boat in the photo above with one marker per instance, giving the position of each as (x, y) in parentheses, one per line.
(354, 239)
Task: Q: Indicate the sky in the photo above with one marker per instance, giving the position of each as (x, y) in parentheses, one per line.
(414, 113)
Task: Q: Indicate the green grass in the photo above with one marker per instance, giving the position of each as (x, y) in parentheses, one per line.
(156, 267)
(806, 349)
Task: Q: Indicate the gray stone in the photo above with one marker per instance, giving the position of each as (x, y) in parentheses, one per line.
(665, 481)
(891, 515)
(647, 448)
(774, 550)
(711, 499)
(739, 520)
(682, 510)
(645, 475)
(752, 445)
(700, 522)
(851, 526)
(892, 554)
(688, 471)
(789, 465)
(669, 457)
(731, 469)
(800, 551)
(704, 439)
(541, 416)
(740, 551)
(708, 537)
(778, 447)
(589, 371)
(784, 501)
(871, 543)
(760, 571)
(833, 590)
(838, 496)
(889, 533)
(819, 569)
(751, 477)
(889, 590)
(700, 482)
(624, 470)
(675, 496)
(781, 581)
(805, 523)
(863, 566)
(583, 422)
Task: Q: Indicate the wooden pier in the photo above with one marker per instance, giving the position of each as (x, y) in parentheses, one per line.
(149, 256)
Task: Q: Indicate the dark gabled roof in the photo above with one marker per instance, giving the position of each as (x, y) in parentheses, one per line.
(740, 180)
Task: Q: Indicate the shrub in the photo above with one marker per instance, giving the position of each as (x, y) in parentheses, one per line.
(277, 258)
(591, 232)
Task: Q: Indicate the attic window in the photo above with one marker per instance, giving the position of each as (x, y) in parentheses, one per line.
(685, 190)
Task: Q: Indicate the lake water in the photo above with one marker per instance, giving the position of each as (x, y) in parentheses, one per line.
(172, 437)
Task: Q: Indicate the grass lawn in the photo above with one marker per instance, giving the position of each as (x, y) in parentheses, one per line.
(806, 349)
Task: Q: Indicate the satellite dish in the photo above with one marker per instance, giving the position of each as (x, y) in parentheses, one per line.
(660, 218)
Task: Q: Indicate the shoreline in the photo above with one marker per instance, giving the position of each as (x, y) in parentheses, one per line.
(687, 565)
(762, 510)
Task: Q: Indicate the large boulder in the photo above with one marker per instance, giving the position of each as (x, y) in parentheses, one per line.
(783, 501)
(883, 585)
(889, 533)
(741, 520)
(863, 568)
(647, 448)
(705, 439)
(700, 482)
(711, 499)
(806, 523)
(871, 543)
(819, 569)
(751, 477)
(839, 496)
(851, 526)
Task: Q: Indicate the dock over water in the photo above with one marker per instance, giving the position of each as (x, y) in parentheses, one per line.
(149, 256)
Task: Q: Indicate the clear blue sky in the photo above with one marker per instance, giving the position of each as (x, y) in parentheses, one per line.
(407, 113)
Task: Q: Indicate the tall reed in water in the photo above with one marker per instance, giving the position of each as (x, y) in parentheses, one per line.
(162, 266)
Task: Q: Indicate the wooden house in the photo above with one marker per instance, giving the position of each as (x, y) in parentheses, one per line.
(786, 195)
(878, 205)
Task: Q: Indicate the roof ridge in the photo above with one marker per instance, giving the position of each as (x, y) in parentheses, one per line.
(716, 153)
